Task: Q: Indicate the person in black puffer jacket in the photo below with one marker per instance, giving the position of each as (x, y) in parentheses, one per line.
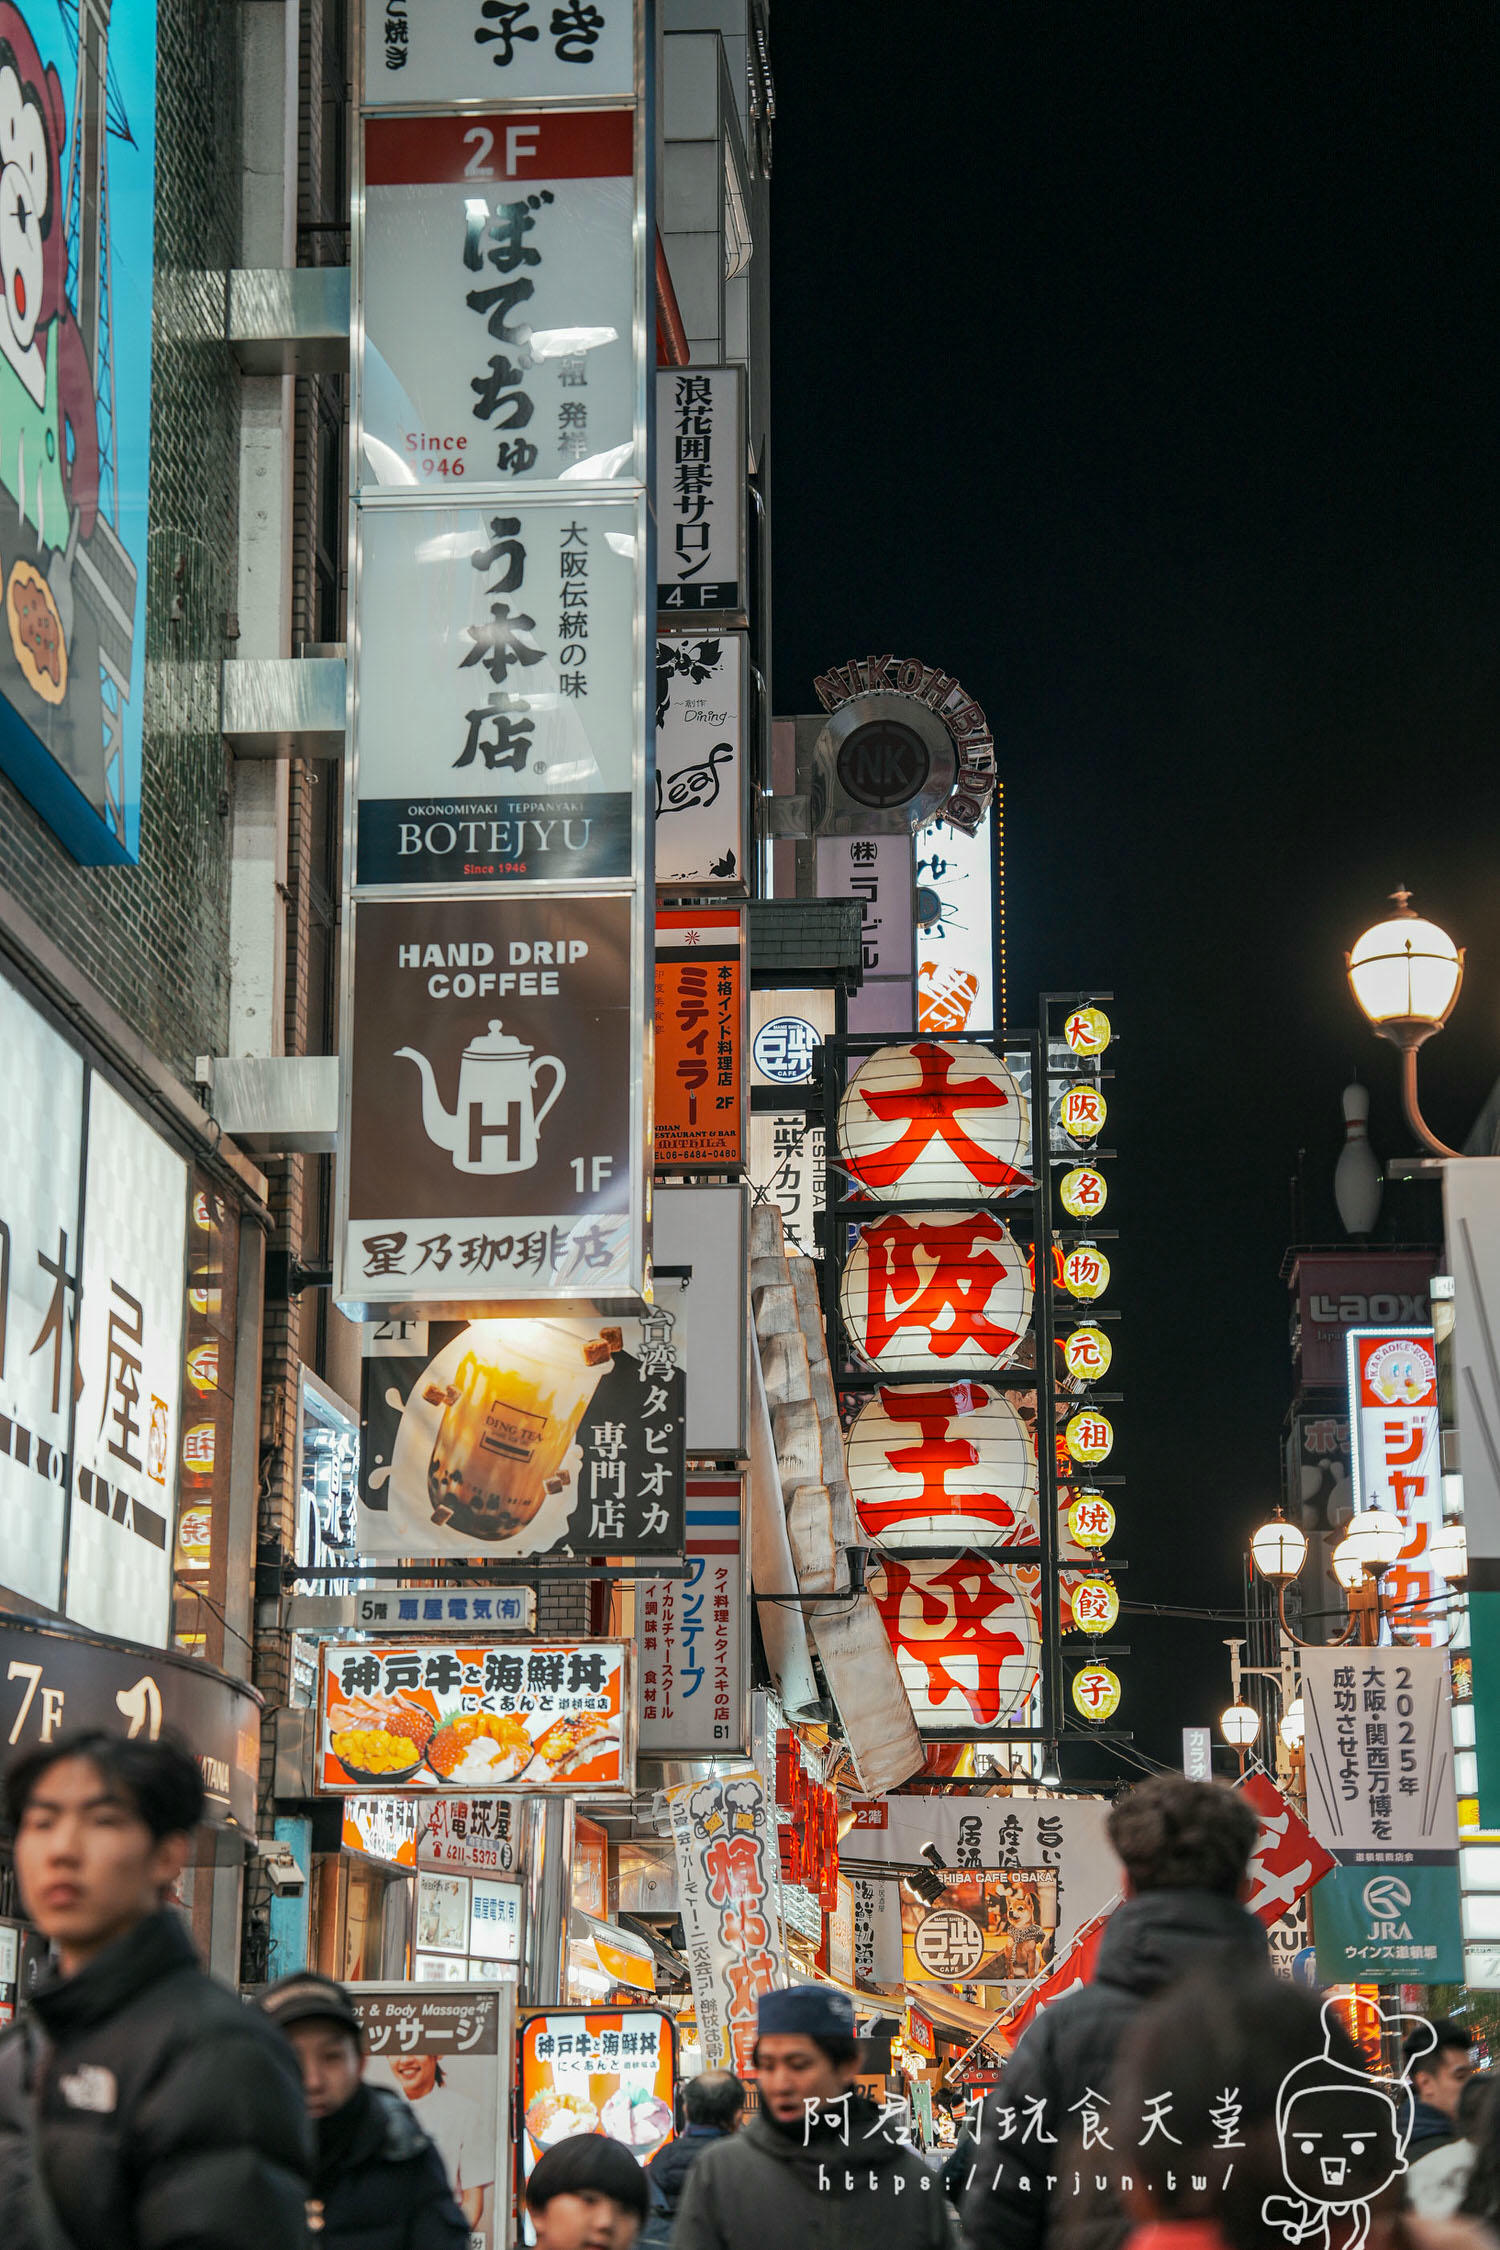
(142, 2104)
(1185, 1846)
(378, 2181)
(712, 2106)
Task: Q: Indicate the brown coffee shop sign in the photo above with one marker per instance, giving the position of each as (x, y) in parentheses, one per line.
(492, 1107)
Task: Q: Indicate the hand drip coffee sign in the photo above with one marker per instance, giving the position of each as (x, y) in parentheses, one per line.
(495, 1124)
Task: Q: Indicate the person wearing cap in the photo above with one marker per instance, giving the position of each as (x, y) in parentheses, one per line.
(378, 2183)
(817, 2162)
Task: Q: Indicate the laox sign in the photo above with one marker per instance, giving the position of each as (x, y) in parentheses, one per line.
(1385, 1308)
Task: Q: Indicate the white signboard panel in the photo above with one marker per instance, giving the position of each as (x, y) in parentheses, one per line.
(978, 1832)
(787, 1150)
(692, 1637)
(496, 50)
(499, 730)
(878, 871)
(955, 952)
(499, 281)
(41, 1126)
(1379, 1751)
(702, 716)
(130, 1362)
(705, 1228)
(700, 493)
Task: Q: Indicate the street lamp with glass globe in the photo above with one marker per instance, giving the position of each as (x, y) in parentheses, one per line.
(1293, 1726)
(1279, 1549)
(1405, 973)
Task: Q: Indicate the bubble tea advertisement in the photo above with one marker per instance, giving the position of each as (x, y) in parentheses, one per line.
(612, 2073)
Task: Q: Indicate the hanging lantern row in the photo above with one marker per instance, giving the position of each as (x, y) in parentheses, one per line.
(1087, 1031)
(1083, 1192)
(1087, 1353)
(1081, 1111)
(954, 1465)
(1086, 1272)
(1093, 1604)
(1096, 1693)
(1090, 1519)
(1089, 1437)
(933, 1120)
(945, 1286)
(967, 1638)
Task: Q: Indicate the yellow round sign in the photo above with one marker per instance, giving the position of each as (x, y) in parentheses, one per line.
(1085, 1272)
(1089, 1437)
(1096, 1605)
(1087, 1031)
(1083, 1193)
(1086, 1354)
(1096, 1692)
(1091, 1519)
(1082, 1112)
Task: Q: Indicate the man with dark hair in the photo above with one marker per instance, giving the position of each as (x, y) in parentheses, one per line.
(712, 2105)
(1438, 2076)
(378, 2182)
(141, 2103)
(816, 2161)
(586, 2193)
(1185, 1846)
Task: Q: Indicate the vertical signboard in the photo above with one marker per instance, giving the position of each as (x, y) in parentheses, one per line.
(700, 495)
(700, 1040)
(877, 870)
(693, 1643)
(724, 1833)
(1380, 1798)
(955, 875)
(492, 1103)
(787, 1159)
(124, 1501)
(1471, 1212)
(1393, 1419)
(75, 415)
(702, 763)
(446, 2049)
(495, 1121)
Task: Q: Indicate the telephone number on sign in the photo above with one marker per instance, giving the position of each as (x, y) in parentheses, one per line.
(476, 1855)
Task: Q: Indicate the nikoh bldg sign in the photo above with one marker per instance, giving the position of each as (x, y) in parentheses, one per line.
(495, 1125)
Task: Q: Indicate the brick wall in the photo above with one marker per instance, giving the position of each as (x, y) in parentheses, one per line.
(155, 937)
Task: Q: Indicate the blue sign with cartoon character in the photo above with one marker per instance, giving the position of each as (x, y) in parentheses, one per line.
(77, 216)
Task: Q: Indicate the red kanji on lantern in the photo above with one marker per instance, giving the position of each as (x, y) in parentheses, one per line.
(929, 1113)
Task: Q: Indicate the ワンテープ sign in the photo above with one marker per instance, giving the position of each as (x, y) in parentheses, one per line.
(492, 1105)
(499, 299)
(525, 1437)
(549, 1716)
(691, 1635)
(499, 726)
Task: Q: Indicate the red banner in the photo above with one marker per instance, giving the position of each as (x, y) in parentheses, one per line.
(1287, 1859)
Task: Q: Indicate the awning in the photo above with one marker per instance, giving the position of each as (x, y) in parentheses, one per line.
(617, 1955)
(940, 2006)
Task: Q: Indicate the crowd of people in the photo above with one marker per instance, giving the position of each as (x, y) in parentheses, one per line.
(1184, 2099)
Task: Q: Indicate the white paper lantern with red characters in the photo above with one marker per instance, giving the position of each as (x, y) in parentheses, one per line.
(934, 1119)
(943, 1466)
(967, 1639)
(936, 1292)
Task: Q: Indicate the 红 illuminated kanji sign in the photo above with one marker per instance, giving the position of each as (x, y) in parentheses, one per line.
(931, 1119)
(953, 1466)
(967, 1639)
(945, 1286)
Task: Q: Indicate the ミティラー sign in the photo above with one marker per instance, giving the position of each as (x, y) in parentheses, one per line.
(700, 1040)
(446, 2050)
(75, 417)
(500, 282)
(549, 1716)
(499, 722)
(493, 1129)
(496, 50)
(691, 1635)
(523, 1437)
(700, 494)
(56, 1680)
(702, 706)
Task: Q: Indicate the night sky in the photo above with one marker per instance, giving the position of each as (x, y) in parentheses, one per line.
(1138, 364)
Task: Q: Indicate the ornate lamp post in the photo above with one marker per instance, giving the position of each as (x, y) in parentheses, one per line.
(1405, 973)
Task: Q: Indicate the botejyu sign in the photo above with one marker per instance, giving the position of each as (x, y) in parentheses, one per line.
(1380, 1798)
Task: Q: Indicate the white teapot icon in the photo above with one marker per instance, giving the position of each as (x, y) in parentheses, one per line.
(495, 1123)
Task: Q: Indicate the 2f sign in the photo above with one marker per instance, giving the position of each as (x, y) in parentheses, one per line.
(518, 144)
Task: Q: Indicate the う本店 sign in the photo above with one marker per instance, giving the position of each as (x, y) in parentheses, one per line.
(415, 1716)
(492, 1104)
